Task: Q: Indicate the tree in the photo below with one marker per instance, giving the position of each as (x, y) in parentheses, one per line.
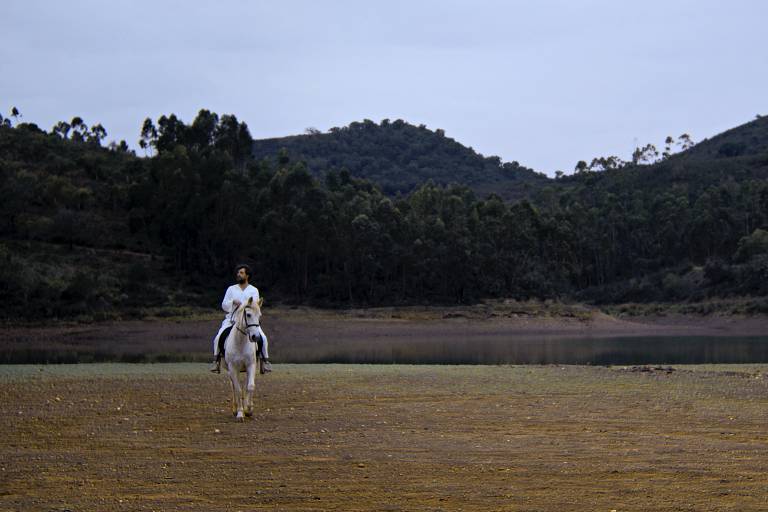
(148, 135)
(203, 129)
(97, 134)
(121, 147)
(645, 155)
(606, 163)
(685, 142)
(61, 129)
(234, 138)
(667, 147)
(171, 131)
(79, 129)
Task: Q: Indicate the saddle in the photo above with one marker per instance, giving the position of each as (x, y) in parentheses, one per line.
(223, 338)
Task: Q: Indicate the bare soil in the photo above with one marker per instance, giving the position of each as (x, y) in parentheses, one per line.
(367, 437)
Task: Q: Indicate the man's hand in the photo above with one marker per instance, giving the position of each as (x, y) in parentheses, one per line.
(236, 303)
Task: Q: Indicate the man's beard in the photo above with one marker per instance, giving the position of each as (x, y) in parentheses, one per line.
(240, 280)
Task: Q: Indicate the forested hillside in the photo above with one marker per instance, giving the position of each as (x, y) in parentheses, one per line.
(400, 157)
(746, 140)
(98, 232)
(681, 229)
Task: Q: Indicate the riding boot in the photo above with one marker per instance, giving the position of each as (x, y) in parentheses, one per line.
(216, 365)
(265, 366)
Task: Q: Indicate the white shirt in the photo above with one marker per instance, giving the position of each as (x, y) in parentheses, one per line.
(234, 293)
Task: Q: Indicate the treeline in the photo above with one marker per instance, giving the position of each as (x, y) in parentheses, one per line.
(167, 229)
(677, 231)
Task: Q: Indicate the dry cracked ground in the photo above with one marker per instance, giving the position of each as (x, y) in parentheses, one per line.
(367, 437)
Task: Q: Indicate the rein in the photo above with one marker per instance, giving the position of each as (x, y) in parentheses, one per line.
(247, 325)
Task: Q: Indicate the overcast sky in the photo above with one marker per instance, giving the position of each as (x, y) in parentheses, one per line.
(546, 83)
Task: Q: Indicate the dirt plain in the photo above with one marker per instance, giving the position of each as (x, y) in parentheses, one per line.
(385, 437)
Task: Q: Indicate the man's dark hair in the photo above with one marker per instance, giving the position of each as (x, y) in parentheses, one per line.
(246, 268)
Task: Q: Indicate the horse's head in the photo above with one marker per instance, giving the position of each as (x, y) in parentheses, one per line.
(249, 317)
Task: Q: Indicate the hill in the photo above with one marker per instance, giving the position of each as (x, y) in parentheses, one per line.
(748, 139)
(70, 244)
(99, 233)
(400, 157)
(688, 227)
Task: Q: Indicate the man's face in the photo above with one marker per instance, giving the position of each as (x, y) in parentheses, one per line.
(241, 277)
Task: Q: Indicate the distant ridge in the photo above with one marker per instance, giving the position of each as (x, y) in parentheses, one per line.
(736, 156)
(399, 157)
(690, 228)
(745, 140)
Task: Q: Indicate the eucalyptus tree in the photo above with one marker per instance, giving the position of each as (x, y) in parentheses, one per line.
(685, 142)
(97, 134)
(668, 142)
(203, 129)
(62, 129)
(79, 129)
(646, 155)
(171, 131)
(234, 137)
(148, 136)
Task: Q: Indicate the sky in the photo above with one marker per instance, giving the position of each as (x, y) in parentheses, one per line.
(544, 83)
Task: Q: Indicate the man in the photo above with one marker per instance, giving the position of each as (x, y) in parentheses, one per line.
(236, 295)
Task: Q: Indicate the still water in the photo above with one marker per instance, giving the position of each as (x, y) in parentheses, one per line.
(595, 351)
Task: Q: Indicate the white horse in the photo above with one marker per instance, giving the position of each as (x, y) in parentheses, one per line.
(241, 354)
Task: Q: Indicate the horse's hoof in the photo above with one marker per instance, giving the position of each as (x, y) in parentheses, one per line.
(249, 413)
(240, 418)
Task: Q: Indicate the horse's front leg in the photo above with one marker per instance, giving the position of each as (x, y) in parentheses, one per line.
(237, 394)
(233, 401)
(250, 387)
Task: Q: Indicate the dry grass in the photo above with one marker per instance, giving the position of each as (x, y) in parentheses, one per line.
(346, 437)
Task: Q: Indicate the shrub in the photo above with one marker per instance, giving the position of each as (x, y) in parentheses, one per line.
(752, 245)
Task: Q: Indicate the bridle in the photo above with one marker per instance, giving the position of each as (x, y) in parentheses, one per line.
(247, 325)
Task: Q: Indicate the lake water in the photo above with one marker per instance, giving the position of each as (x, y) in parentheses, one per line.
(496, 348)
(600, 351)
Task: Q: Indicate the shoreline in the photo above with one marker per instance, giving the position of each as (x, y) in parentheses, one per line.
(301, 322)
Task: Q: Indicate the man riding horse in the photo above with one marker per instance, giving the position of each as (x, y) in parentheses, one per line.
(236, 295)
